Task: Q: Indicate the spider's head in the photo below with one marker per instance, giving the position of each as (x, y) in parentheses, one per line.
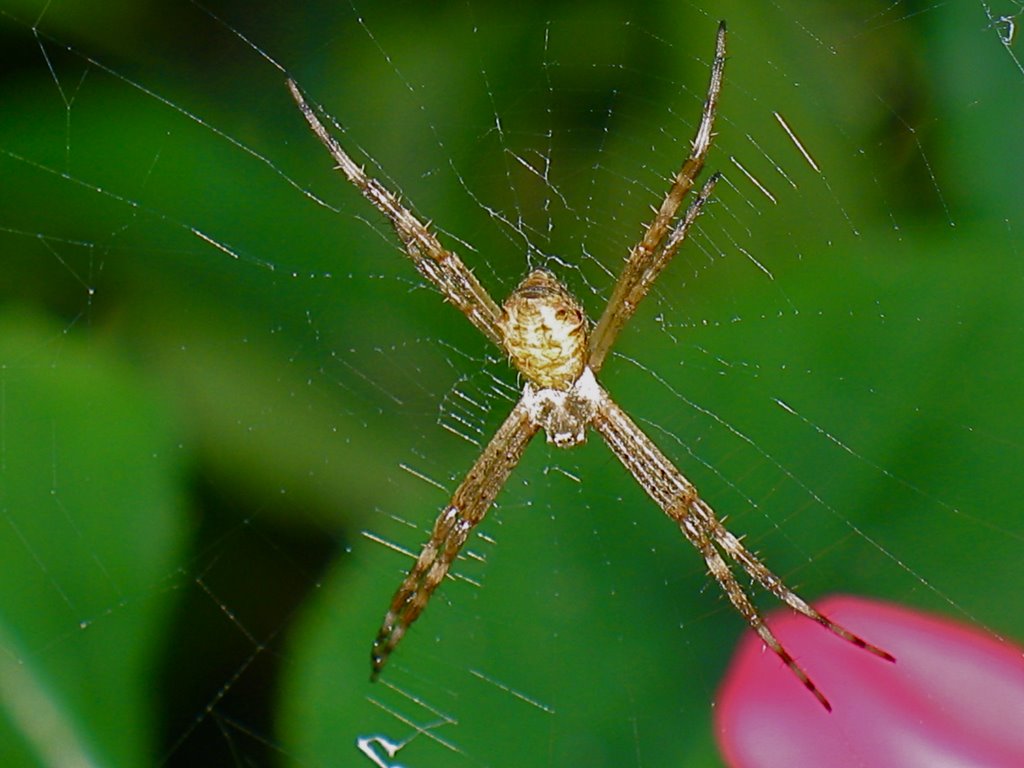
(545, 331)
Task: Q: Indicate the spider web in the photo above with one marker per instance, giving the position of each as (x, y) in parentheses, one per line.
(229, 410)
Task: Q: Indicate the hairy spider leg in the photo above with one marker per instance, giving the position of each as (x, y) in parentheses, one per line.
(466, 509)
(644, 261)
(443, 268)
(679, 499)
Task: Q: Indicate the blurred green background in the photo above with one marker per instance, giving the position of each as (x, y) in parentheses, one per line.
(221, 384)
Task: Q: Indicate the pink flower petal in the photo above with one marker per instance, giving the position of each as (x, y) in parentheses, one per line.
(954, 697)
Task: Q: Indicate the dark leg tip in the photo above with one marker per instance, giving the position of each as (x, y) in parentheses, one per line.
(376, 665)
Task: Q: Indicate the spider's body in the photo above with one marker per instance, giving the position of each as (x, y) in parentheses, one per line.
(564, 415)
(546, 336)
(545, 331)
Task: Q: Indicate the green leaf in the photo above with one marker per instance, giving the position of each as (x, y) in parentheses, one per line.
(90, 525)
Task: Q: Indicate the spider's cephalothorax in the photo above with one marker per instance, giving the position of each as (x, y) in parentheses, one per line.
(545, 333)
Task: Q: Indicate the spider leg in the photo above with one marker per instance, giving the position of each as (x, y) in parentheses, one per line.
(679, 499)
(444, 269)
(732, 588)
(648, 257)
(468, 506)
(678, 233)
(758, 571)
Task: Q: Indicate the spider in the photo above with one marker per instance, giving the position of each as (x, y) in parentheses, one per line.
(547, 337)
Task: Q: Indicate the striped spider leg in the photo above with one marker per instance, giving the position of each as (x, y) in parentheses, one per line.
(547, 337)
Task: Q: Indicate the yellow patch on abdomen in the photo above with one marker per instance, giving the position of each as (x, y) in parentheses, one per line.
(545, 331)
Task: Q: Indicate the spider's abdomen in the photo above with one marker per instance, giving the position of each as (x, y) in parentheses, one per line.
(545, 331)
